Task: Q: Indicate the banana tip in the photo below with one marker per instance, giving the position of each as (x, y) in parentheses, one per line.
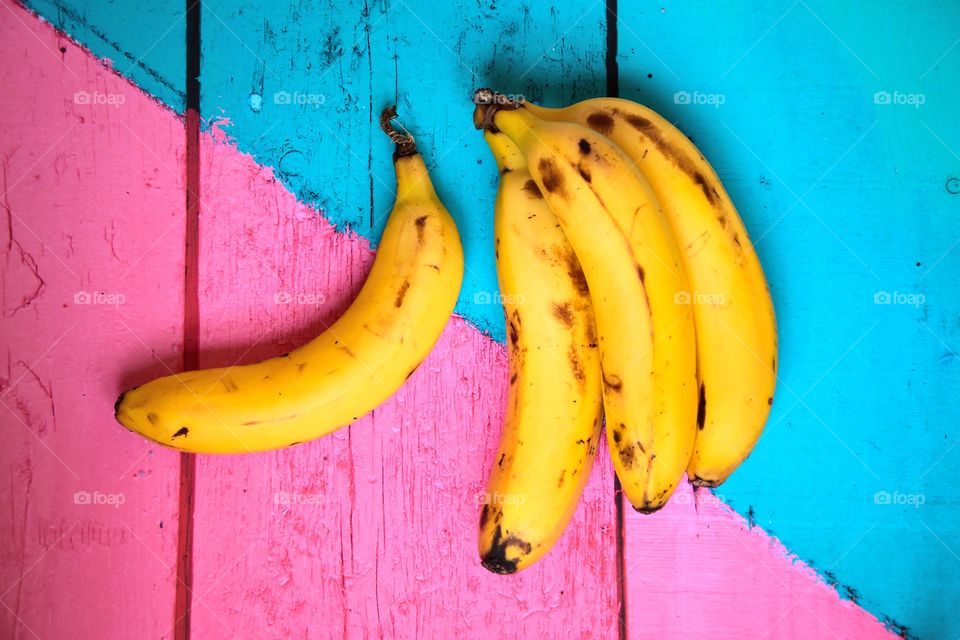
(701, 482)
(116, 405)
(499, 565)
(647, 509)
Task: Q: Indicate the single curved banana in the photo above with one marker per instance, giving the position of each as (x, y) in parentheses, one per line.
(356, 364)
(733, 310)
(613, 221)
(554, 409)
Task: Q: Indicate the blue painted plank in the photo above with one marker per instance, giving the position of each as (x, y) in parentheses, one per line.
(303, 87)
(144, 40)
(834, 125)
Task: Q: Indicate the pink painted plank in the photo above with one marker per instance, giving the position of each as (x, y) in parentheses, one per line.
(370, 532)
(696, 569)
(91, 244)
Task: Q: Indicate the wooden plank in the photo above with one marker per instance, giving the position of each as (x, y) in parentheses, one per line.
(847, 196)
(91, 246)
(142, 41)
(371, 531)
(302, 89)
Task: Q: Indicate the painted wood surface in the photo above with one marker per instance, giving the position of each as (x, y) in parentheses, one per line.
(834, 125)
(370, 532)
(302, 88)
(847, 197)
(91, 248)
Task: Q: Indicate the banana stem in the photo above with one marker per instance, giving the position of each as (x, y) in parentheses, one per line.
(406, 146)
(488, 102)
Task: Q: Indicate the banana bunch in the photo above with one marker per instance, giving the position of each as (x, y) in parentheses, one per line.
(684, 327)
(353, 366)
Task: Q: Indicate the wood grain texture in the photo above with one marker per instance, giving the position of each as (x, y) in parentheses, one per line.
(303, 88)
(370, 532)
(142, 41)
(833, 127)
(91, 240)
(697, 569)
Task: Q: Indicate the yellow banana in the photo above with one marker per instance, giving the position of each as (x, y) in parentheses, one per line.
(553, 416)
(613, 221)
(356, 364)
(733, 310)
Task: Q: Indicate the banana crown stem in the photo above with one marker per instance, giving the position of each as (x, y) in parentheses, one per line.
(488, 102)
(406, 146)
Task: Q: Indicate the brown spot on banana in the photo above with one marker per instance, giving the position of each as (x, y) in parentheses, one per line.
(680, 159)
(576, 367)
(563, 474)
(702, 407)
(181, 433)
(563, 314)
(600, 122)
(401, 293)
(514, 333)
(229, 384)
(612, 382)
(532, 189)
(552, 180)
(708, 190)
(584, 146)
(421, 224)
(153, 418)
(575, 273)
(584, 173)
(628, 455)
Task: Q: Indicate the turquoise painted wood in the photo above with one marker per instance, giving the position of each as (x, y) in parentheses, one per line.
(834, 125)
(143, 40)
(302, 89)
